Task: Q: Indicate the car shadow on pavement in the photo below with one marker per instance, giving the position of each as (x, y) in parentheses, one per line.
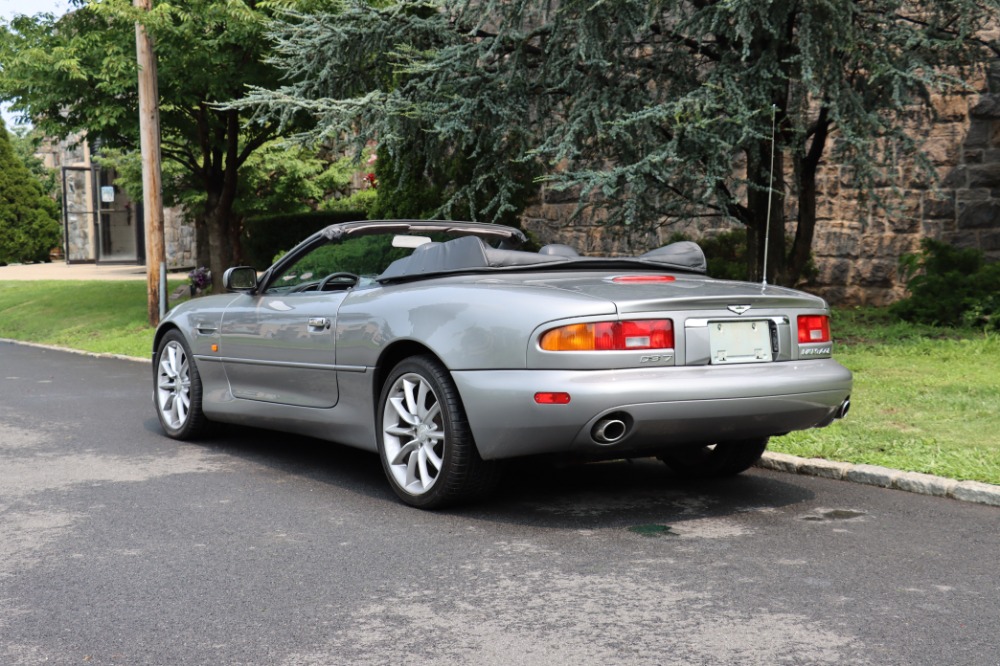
(624, 493)
(535, 492)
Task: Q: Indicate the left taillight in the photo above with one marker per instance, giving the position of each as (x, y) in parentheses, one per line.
(814, 328)
(611, 336)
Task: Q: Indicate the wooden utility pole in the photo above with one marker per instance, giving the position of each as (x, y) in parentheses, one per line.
(149, 141)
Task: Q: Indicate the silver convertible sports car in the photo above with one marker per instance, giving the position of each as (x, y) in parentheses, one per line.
(447, 349)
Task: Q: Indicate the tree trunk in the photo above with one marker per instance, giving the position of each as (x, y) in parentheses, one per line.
(805, 170)
(218, 216)
(201, 240)
(220, 174)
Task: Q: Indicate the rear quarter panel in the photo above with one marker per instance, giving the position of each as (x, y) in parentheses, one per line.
(469, 325)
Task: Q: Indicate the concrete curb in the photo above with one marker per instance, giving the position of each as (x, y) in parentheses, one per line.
(79, 352)
(872, 475)
(883, 477)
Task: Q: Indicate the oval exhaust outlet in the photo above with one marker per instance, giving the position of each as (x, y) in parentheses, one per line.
(609, 430)
(844, 408)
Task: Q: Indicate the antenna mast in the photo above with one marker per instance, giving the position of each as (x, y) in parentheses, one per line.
(770, 198)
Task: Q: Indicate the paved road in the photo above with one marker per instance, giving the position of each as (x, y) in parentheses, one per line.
(119, 546)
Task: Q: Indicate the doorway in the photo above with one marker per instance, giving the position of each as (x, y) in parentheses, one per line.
(101, 223)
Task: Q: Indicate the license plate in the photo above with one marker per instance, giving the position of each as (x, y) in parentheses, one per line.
(740, 342)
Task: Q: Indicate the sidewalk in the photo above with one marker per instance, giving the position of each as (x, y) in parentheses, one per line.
(60, 270)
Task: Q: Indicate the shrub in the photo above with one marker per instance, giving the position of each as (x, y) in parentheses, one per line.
(29, 226)
(949, 286)
(726, 254)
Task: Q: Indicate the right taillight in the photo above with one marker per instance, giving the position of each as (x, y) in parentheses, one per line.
(814, 328)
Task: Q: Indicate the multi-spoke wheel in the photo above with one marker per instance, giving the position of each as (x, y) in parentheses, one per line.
(177, 393)
(424, 439)
(715, 460)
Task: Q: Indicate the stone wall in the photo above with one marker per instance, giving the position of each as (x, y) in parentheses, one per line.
(179, 241)
(856, 252)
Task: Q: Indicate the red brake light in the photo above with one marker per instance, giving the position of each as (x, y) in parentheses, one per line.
(814, 328)
(633, 279)
(611, 336)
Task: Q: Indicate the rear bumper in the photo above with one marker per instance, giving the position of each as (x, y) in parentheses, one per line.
(661, 407)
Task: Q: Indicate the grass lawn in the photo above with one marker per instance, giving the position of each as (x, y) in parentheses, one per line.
(107, 317)
(925, 399)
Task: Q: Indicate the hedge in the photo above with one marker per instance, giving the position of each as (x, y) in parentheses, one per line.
(267, 235)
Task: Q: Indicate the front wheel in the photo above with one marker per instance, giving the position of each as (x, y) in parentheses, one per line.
(177, 392)
(715, 460)
(424, 439)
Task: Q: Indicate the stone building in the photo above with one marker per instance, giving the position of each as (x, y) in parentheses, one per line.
(101, 224)
(856, 252)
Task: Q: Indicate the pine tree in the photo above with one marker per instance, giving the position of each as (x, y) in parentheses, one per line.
(649, 108)
(29, 226)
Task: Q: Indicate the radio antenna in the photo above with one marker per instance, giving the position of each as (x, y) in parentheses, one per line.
(770, 197)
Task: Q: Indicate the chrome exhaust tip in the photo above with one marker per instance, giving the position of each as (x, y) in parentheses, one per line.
(609, 430)
(844, 408)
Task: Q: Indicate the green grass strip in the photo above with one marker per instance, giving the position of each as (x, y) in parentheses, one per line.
(108, 317)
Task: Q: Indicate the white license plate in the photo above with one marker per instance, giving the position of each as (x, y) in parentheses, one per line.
(740, 342)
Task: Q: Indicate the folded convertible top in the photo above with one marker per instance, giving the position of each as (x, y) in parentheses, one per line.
(470, 253)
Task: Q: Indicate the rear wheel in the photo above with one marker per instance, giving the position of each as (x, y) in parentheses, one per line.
(715, 460)
(424, 439)
(177, 392)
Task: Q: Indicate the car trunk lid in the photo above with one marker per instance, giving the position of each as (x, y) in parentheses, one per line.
(633, 295)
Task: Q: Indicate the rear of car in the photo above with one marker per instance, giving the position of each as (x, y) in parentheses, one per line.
(684, 362)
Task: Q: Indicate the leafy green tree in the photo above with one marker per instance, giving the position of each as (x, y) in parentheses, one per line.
(78, 73)
(650, 109)
(287, 178)
(29, 226)
(26, 141)
(277, 178)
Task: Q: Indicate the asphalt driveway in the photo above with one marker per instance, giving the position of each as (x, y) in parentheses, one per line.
(120, 546)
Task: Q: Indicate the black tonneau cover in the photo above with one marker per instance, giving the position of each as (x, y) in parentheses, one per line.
(469, 253)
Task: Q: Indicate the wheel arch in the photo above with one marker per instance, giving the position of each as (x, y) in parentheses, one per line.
(390, 357)
(162, 331)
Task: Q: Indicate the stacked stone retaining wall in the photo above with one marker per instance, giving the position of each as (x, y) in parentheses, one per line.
(856, 251)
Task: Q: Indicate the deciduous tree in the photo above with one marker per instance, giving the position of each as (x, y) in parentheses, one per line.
(77, 73)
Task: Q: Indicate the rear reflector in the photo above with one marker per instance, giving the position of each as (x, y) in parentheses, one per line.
(611, 336)
(814, 328)
(552, 398)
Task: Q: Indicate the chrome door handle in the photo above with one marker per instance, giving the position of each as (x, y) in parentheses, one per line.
(321, 323)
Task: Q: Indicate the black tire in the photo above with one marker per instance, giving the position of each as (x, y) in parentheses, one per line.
(715, 460)
(177, 391)
(424, 439)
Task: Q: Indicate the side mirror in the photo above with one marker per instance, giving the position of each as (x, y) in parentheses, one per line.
(240, 278)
